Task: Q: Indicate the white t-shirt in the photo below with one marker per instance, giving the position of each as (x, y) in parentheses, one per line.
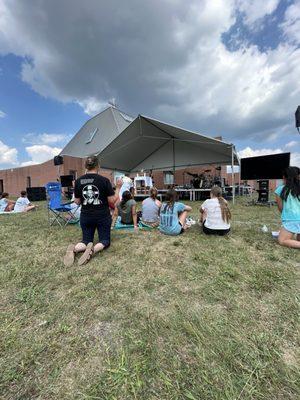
(214, 218)
(21, 204)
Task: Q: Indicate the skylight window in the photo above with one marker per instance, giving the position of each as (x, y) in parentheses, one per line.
(92, 135)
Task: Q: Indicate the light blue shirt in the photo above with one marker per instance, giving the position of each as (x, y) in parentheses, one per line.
(169, 222)
(291, 207)
(3, 204)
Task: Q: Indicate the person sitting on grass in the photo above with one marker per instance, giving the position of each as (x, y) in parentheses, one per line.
(23, 204)
(6, 205)
(93, 192)
(173, 215)
(288, 202)
(126, 209)
(151, 208)
(215, 214)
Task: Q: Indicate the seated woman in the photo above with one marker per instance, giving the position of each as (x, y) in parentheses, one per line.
(288, 201)
(23, 204)
(173, 215)
(126, 209)
(6, 205)
(151, 208)
(215, 214)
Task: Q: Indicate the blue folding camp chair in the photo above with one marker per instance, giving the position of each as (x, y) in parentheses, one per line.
(58, 212)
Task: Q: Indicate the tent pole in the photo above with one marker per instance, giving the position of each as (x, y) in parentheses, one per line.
(232, 175)
(173, 146)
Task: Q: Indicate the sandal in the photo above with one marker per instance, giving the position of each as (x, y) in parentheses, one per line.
(69, 256)
(87, 255)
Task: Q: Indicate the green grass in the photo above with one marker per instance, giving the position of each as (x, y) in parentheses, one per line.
(153, 317)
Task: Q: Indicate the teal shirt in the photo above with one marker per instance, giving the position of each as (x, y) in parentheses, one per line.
(291, 207)
(169, 223)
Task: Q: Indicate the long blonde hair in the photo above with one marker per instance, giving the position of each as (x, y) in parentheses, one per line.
(216, 191)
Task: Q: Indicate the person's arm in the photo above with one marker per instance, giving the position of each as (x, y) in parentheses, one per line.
(114, 218)
(187, 208)
(134, 216)
(279, 203)
(115, 197)
(77, 199)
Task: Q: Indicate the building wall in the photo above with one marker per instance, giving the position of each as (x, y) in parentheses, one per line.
(15, 179)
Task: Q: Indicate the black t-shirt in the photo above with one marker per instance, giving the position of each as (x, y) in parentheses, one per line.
(93, 190)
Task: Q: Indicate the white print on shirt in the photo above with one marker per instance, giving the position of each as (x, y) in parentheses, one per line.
(90, 194)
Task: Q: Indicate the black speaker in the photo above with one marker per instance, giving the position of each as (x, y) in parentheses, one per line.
(66, 180)
(36, 193)
(58, 160)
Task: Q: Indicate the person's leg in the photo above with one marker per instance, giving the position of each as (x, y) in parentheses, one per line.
(88, 227)
(29, 208)
(286, 238)
(182, 219)
(104, 230)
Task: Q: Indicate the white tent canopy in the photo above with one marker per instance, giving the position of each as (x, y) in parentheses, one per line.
(148, 144)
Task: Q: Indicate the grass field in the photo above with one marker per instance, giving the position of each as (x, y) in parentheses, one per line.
(153, 317)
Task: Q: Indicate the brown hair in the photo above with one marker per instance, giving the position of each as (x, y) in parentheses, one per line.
(23, 193)
(216, 191)
(153, 192)
(91, 162)
(171, 198)
(4, 195)
(126, 196)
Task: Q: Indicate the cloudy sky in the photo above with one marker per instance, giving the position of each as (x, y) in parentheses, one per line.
(221, 67)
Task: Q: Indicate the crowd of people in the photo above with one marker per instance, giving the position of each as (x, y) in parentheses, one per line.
(102, 206)
(22, 204)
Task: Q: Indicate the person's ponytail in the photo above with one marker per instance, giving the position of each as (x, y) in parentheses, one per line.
(226, 214)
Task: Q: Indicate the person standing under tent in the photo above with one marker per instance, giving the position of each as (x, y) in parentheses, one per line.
(288, 202)
(94, 193)
(127, 185)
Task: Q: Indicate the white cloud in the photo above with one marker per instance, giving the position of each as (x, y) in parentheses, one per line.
(249, 152)
(291, 144)
(176, 68)
(40, 153)
(291, 23)
(8, 155)
(255, 10)
(92, 106)
(2, 114)
(45, 138)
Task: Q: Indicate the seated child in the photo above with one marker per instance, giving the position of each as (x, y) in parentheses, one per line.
(288, 201)
(215, 214)
(126, 209)
(173, 215)
(6, 205)
(23, 204)
(151, 208)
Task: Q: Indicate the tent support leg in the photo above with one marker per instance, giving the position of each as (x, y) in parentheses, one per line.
(173, 146)
(232, 175)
